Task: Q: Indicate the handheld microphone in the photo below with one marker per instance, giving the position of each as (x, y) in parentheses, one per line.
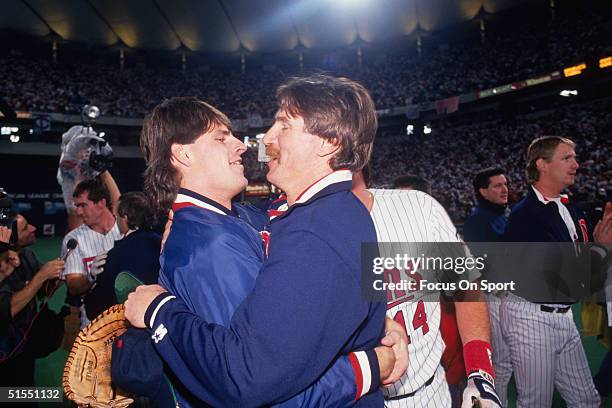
(70, 245)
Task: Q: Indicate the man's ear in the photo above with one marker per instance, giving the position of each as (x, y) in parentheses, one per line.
(101, 203)
(328, 147)
(541, 164)
(180, 154)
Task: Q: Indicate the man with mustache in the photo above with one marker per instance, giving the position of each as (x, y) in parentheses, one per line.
(305, 309)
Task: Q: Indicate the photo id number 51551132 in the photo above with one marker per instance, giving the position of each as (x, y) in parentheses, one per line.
(31, 394)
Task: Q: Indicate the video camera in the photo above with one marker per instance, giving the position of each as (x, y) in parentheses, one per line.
(8, 215)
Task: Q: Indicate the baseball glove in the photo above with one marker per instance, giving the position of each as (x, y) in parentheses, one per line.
(87, 375)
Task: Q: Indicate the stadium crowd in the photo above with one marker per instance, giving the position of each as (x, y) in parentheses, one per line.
(523, 51)
(453, 152)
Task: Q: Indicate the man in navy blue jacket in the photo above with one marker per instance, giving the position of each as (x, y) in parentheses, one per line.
(136, 253)
(544, 342)
(488, 220)
(306, 308)
(487, 223)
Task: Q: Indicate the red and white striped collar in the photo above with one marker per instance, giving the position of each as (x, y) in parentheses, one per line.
(337, 176)
(188, 198)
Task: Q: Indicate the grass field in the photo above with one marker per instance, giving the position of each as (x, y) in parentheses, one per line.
(49, 370)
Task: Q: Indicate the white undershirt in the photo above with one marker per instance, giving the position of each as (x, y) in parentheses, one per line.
(563, 211)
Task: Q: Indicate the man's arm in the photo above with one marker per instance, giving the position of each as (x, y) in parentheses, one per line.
(293, 308)
(473, 316)
(50, 270)
(77, 284)
(74, 272)
(110, 183)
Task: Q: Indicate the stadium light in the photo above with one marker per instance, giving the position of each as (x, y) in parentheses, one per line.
(574, 70)
(409, 130)
(426, 130)
(14, 138)
(102, 134)
(568, 92)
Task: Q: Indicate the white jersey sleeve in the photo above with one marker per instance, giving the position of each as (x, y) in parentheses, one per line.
(73, 264)
(90, 244)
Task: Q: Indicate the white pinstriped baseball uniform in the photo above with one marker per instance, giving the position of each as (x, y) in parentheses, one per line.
(413, 216)
(90, 244)
(545, 347)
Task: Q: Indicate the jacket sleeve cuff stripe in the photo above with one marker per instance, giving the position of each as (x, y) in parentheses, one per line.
(360, 362)
(155, 306)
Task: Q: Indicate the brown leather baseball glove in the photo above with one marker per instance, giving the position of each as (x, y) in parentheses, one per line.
(87, 375)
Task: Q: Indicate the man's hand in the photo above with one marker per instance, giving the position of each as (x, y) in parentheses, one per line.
(397, 339)
(5, 234)
(97, 266)
(386, 362)
(480, 392)
(138, 301)
(13, 259)
(603, 230)
(8, 264)
(51, 270)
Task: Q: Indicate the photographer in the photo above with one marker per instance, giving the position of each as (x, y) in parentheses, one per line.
(26, 332)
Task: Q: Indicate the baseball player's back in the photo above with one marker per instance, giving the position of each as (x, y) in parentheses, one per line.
(407, 218)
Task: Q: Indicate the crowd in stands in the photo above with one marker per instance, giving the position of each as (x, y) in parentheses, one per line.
(451, 155)
(527, 50)
(448, 157)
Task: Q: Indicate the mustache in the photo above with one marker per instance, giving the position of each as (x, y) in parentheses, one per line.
(272, 152)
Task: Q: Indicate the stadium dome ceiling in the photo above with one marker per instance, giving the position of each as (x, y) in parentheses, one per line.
(227, 26)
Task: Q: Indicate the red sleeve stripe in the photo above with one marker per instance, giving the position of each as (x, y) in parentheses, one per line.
(363, 376)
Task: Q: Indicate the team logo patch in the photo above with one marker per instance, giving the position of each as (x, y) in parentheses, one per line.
(160, 333)
(87, 262)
